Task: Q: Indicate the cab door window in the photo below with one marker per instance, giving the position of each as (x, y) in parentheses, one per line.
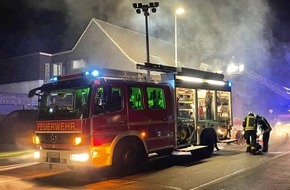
(108, 99)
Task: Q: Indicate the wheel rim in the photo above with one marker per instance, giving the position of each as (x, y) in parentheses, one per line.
(130, 157)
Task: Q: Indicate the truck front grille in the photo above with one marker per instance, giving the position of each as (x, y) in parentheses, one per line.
(55, 138)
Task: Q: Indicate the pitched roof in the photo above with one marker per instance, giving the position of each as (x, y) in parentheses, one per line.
(133, 44)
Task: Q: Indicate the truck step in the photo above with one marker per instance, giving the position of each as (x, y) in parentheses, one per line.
(228, 141)
(190, 148)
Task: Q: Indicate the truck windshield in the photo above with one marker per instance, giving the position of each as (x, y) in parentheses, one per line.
(64, 104)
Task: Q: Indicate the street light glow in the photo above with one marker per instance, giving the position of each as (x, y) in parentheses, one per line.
(233, 68)
(179, 11)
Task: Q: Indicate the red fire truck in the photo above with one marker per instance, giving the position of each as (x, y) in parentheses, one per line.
(94, 121)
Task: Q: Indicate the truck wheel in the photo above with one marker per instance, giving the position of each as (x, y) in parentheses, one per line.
(128, 158)
(208, 137)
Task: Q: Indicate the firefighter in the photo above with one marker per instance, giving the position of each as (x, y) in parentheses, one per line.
(250, 132)
(208, 100)
(266, 129)
(229, 129)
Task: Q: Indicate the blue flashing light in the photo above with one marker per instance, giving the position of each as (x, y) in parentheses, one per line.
(95, 73)
(230, 84)
(53, 79)
(92, 73)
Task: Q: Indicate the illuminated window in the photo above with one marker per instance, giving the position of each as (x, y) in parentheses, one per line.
(135, 98)
(56, 69)
(46, 72)
(78, 64)
(156, 98)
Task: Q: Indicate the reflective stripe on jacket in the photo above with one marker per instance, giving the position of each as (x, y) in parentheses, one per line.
(250, 123)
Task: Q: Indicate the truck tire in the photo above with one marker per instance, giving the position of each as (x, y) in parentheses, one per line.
(208, 138)
(128, 157)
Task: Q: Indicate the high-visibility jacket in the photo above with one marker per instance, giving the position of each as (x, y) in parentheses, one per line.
(250, 123)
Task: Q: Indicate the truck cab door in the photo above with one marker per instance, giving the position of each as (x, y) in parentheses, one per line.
(137, 114)
(109, 116)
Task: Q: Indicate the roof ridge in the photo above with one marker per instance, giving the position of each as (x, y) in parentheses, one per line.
(122, 28)
(82, 35)
(116, 44)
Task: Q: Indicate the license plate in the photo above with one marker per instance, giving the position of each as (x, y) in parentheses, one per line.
(53, 155)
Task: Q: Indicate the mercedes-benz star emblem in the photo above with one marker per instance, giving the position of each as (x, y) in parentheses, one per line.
(53, 138)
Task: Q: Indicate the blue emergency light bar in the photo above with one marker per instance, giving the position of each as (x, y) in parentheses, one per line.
(54, 79)
(92, 73)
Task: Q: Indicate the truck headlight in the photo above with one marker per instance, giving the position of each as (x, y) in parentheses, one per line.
(36, 154)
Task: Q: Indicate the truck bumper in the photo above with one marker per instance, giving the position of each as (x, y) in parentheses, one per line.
(81, 157)
(64, 157)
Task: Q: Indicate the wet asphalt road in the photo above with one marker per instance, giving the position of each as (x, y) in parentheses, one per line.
(230, 168)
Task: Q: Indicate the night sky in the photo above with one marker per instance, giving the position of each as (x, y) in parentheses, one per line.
(254, 31)
(281, 27)
(28, 26)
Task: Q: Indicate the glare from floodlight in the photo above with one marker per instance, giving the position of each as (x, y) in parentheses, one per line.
(179, 11)
(241, 68)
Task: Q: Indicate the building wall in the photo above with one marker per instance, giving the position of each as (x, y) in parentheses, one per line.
(25, 68)
(97, 51)
(14, 96)
(15, 101)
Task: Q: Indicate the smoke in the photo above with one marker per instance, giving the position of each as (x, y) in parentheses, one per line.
(223, 29)
(214, 32)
